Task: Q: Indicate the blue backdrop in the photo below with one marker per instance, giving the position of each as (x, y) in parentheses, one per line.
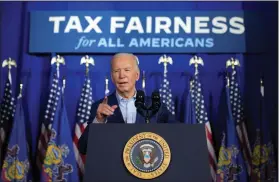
(33, 70)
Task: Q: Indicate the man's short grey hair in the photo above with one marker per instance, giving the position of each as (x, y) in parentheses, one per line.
(126, 54)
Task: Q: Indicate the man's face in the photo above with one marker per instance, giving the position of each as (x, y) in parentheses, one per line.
(124, 73)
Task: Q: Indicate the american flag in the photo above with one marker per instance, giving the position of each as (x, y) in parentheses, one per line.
(83, 115)
(238, 116)
(48, 119)
(7, 110)
(201, 117)
(166, 95)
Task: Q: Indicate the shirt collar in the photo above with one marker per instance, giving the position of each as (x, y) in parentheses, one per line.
(121, 99)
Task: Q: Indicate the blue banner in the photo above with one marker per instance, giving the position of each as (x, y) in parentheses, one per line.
(137, 31)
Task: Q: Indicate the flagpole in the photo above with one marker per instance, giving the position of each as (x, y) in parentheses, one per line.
(20, 91)
(106, 86)
(165, 90)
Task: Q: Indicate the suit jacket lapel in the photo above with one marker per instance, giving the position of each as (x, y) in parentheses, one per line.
(117, 117)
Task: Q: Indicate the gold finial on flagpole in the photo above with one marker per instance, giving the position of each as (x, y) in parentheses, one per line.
(57, 60)
(232, 63)
(87, 60)
(10, 63)
(165, 60)
(196, 61)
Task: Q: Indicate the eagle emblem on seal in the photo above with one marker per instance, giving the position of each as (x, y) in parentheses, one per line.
(147, 155)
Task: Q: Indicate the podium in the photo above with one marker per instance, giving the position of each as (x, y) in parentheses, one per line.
(189, 159)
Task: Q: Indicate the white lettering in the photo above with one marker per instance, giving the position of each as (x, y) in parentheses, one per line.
(145, 42)
(165, 42)
(93, 24)
(237, 25)
(102, 42)
(149, 24)
(73, 24)
(209, 42)
(56, 20)
(186, 26)
(162, 23)
(201, 22)
(134, 24)
(115, 23)
(219, 25)
(189, 43)
(155, 42)
(133, 43)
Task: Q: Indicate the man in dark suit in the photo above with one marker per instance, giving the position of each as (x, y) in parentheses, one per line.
(119, 107)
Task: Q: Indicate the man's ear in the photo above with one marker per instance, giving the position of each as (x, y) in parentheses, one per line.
(111, 77)
(138, 76)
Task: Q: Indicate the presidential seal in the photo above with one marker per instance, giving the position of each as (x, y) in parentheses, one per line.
(146, 155)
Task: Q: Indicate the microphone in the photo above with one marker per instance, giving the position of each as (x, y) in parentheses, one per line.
(144, 110)
(156, 102)
(139, 102)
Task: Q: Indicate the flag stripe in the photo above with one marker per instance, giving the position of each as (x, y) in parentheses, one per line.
(244, 149)
(77, 131)
(231, 165)
(7, 110)
(79, 159)
(212, 169)
(83, 115)
(60, 142)
(210, 145)
(246, 138)
(208, 132)
(201, 117)
(47, 122)
(238, 116)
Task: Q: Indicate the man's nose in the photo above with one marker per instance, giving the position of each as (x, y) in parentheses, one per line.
(122, 74)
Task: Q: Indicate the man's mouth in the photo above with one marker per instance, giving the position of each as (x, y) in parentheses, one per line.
(122, 83)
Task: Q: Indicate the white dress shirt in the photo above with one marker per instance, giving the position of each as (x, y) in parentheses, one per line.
(127, 107)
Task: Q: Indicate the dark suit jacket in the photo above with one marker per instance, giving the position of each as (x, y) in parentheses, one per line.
(162, 116)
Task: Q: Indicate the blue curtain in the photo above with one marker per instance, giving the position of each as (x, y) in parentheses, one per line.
(33, 70)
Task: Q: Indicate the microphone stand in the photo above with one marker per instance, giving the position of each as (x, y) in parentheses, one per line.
(147, 119)
(147, 114)
(144, 110)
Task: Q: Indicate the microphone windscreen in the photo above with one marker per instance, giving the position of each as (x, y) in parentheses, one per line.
(156, 100)
(156, 96)
(139, 102)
